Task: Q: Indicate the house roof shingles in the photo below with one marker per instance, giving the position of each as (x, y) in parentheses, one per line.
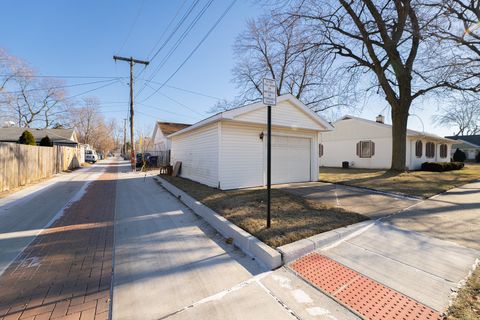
(171, 127)
(63, 136)
(473, 139)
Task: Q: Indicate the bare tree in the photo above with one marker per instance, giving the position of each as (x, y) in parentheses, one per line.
(91, 126)
(387, 46)
(40, 103)
(27, 100)
(85, 119)
(463, 114)
(278, 48)
(457, 26)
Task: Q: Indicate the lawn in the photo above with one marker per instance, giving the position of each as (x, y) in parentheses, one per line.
(416, 183)
(467, 304)
(293, 217)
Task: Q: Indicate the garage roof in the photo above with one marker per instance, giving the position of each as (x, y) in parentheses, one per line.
(230, 114)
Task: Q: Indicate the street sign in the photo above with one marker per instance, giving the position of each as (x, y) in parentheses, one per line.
(269, 92)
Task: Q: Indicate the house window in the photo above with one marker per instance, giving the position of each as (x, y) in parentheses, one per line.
(365, 149)
(443, 150)
(320, 150)
(430, 150)
(418, 149)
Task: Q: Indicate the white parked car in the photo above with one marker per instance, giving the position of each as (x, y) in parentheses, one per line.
(91, 156)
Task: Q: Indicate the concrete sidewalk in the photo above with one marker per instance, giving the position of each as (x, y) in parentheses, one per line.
(169, 264)
(453, 216)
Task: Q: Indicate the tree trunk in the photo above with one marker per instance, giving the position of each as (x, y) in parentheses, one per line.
(399, 137)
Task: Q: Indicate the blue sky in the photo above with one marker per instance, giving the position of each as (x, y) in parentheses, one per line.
(78, 38)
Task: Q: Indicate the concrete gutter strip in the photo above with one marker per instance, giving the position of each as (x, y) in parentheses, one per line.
(297, 249)
(262, 253)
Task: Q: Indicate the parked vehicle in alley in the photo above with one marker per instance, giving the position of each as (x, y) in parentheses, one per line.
(91, 156)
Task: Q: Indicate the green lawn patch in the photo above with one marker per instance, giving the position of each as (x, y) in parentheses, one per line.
(416, 183)
(293, 217)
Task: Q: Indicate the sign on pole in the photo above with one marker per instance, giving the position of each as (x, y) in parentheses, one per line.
(269, 92)
(270, 99)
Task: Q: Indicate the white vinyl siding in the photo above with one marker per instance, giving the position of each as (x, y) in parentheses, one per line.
(241, 159)
(283, 114)
(291, 159)
(198, 151)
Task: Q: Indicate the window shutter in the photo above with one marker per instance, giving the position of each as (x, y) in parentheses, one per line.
(358, 149)
(372, 148)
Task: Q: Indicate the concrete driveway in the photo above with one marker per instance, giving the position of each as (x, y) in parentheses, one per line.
(367, 202)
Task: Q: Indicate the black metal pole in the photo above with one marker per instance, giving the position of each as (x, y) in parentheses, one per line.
(269, 163)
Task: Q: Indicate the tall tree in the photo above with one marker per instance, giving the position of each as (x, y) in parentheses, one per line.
(463, 114)
(388, 46)
(278, 48)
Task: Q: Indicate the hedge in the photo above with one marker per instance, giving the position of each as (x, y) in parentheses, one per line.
(442, 166)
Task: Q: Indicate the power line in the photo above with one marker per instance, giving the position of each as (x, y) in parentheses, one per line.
(59, 87)
(91, 90)
(186, 90)
(132, 26)
(182, 20)
(194, 50)
(179, 24)
(60, 77)
(168, 27)
(180, 39)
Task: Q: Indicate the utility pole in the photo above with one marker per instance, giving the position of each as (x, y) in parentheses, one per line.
(132, 61)
(124, 136)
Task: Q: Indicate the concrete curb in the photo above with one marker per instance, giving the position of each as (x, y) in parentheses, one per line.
(264, 254)
(297, 249)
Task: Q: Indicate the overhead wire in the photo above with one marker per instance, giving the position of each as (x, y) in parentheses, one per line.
(139, 11)
(180, 40)
(194, 50)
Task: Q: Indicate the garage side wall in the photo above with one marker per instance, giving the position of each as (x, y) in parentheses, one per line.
(198, 152)
(241, 159)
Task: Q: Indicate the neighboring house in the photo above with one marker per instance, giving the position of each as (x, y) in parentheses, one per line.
(229, 150)
(468, 144)
(368, 144)
(59, 137)
(160, 133)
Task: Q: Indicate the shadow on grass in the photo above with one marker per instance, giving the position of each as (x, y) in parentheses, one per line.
(293, 217)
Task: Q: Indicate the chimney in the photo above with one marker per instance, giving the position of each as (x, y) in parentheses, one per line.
(380, 119)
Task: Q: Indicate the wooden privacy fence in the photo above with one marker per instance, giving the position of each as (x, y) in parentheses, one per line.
(23, 164)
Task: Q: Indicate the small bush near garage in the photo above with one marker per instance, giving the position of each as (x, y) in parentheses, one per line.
(459, 156)
(477, 158)
(442, 166)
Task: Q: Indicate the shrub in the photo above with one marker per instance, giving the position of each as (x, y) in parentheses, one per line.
(459, 156)
(46, 142)
(442, 166)
(477, 158)
(27, 138)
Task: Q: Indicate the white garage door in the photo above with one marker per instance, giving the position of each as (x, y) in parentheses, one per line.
(290, 159)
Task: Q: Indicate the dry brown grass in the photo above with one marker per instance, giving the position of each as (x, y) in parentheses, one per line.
(467, 304)
(416, 183)
(293, 217)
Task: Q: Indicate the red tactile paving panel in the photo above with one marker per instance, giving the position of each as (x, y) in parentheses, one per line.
(360, 293)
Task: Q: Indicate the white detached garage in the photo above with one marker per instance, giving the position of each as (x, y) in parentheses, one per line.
(228, 150)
